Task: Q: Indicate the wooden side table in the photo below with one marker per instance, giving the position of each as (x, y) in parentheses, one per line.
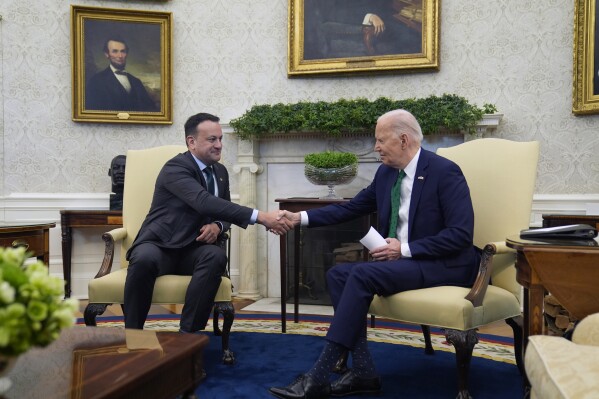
(82, 219)
(33, 236)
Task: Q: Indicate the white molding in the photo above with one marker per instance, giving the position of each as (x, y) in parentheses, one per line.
(571, 204)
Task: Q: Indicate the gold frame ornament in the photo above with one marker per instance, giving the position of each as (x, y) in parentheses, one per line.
(144, 95)
(585, 96)
(324, 37)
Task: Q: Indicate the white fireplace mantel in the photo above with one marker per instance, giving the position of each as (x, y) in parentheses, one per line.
(272, 168)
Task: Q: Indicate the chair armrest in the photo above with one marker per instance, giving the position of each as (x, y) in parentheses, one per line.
(502, 248)
(587, 331)
(109, 239)
(479, 289)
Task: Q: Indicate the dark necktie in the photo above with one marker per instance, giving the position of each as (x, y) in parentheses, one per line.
(209, 179)
(119, 72)
(395, 202)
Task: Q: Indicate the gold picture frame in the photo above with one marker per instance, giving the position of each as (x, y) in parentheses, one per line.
(342, 36)
(103, 41)
(585, 96)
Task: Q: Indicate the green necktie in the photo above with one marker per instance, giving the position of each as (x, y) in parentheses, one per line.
(209, 179)
(395, 201)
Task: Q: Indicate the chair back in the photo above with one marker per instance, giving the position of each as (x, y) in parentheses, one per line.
(141, 170)
(501, 175)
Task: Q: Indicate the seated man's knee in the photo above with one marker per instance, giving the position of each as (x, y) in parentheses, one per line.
(215, 257)
(145, 259)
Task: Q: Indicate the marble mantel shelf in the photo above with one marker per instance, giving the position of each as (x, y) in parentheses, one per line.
(272, 167)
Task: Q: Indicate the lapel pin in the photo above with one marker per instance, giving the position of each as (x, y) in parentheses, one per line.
(420, 177)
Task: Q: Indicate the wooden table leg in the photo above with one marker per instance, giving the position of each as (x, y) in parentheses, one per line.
(67, 242)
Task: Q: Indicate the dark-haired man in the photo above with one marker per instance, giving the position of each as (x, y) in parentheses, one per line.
(190, 211)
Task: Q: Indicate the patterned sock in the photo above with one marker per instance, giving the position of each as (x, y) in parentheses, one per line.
(321, 370)
(362, 363)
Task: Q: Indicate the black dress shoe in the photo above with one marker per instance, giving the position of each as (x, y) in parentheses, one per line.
(350, 384)
(303, 387)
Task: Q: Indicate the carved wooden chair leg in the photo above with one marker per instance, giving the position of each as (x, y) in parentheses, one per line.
(463, 342)
(428, 346)
(228, 312)
(92, 310)
(516, 324)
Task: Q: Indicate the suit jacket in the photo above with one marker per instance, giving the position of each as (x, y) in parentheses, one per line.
(441, 217)
(103, 91)
(181, 204)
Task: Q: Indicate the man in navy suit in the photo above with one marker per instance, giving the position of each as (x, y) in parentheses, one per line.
(190, 210)
(114, 89)
(431, 245)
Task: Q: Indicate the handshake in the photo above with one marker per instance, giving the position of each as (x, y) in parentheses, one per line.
(278, 222)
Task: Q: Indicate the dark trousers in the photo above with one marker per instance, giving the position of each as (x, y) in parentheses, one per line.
(205, 263)
(352, 287)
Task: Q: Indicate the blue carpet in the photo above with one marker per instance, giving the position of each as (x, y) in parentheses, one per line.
(265, 357)
(265, 360)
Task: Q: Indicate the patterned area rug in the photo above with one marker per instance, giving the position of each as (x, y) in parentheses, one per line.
(491, 347)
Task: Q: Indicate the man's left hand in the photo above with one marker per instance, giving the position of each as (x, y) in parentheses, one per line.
(209, 233)
(391, 251)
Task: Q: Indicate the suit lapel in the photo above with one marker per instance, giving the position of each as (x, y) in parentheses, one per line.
(194, 165)
(417, 186)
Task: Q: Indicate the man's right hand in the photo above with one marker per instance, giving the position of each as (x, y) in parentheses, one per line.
(274, 223)
(294, 218)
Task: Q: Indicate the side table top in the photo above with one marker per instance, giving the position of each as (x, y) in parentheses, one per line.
(24, 226)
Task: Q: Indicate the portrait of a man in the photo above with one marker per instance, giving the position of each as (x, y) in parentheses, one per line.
(357, 28)
(122, 67)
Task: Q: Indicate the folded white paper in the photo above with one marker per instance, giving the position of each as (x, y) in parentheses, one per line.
(373, 239)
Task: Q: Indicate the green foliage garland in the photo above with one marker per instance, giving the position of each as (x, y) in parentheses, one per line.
(448, 113)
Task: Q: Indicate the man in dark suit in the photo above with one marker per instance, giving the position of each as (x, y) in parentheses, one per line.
(429, 243)
(114, 89)
(190, 210)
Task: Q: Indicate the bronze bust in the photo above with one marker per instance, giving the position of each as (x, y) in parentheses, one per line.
(117, 175)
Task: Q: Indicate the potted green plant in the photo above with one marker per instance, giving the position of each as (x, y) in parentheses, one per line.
(448, 113)
(32, 309)
(331, 168)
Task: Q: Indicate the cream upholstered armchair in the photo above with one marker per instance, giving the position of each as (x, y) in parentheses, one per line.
(558, 368)
(108, 287)
(501, 175)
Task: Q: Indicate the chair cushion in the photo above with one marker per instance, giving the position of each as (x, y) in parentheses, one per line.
(168, 289)
(559, 368)
(446, 307)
